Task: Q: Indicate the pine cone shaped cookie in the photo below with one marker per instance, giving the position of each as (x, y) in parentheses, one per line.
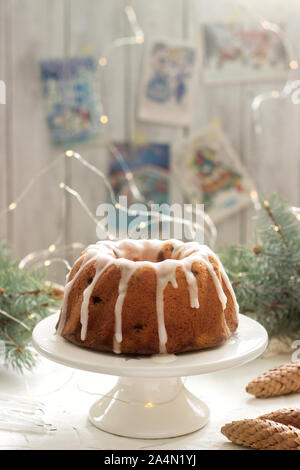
(262, 434)
(287, 416)
(281, 380)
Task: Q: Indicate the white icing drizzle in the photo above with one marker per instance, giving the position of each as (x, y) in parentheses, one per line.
(128, 256)
(162, 332)
(125, 278)
(167, 274)
(89, 256)
(221, 294)
(164, 358)
(84, 317)
(228, 285)
(193, 287)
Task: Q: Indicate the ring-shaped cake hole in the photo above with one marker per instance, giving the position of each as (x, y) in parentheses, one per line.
(153, 251)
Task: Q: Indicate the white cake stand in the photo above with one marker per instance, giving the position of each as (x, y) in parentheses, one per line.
(150, 399)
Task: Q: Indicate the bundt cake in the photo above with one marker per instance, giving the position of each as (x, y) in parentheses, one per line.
(148, 297)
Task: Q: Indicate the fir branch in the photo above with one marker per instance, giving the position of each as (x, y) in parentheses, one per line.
(274, 221)
(14, 319)
(266, 278)
(25, 298)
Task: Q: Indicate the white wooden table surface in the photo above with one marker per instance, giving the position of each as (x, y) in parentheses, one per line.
(67, 395)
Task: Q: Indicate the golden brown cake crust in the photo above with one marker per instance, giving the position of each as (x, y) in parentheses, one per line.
(187, 328)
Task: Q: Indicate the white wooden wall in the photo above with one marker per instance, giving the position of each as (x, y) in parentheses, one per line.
(31, 30)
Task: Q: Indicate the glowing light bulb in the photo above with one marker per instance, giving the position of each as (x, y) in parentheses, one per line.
(293, 64)
(275, 94)
(276, 228)
(149, 404)
(62, 185)
(47, 262)
(12, 206)
(104, 119)
(102, 61)
(52, 248)
(266, 24)
(142, 225)
(69, 153)
(140, 39)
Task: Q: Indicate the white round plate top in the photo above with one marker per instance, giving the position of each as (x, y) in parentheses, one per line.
(246, 344)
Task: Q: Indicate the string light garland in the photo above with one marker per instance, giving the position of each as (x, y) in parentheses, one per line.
(14, 204)
(158, 215)
(289, 84)
(138, 39)
(245, 10)
(44, 256)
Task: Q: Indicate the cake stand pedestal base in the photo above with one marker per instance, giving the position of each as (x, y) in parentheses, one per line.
(149, 408)
(150, 399)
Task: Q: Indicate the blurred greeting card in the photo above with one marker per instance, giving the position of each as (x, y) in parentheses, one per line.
(149, 165)
(212, 173)
(168, 83)
(72, 99)
(238, 52)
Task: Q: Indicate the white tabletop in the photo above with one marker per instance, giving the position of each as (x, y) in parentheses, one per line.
(67, 395)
